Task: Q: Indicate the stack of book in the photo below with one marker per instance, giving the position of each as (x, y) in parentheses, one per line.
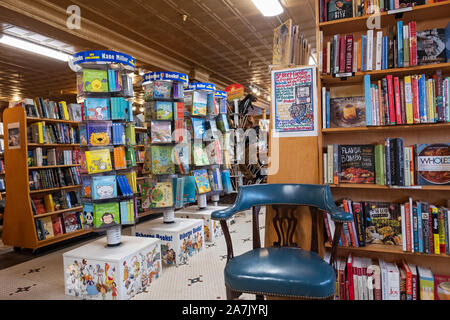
(290, 46)
(417, 226)
(41, 157)
(40, 132)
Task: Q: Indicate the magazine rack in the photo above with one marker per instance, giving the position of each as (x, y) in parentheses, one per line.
(105, 89)
(169, 147)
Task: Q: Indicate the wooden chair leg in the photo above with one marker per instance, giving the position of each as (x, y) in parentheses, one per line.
(232, 295)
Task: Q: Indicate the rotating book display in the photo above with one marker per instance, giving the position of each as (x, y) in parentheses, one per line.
(107, 137)
(167, 156)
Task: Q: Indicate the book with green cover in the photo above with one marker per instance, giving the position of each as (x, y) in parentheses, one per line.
(106, 214)
(95, 80)
(161, 157)
(380, 169)
(199, 154)
(162, 194)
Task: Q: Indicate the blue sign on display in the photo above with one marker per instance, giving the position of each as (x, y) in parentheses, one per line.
(103, 56)
(202, 86)
(220, 94)
(166, 75)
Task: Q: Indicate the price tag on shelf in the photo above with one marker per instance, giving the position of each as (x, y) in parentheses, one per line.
(401, 10)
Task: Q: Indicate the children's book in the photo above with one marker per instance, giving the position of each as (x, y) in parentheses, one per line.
(161, 131)
(178, 110)
(179, 132)
(57, 225)
(163, 110)
(124, 186)
(104, 187)
(162, 89)
(70, 222)
(88, 215)
(212, 106)
(202, 181)
(87, 187)
(106, 214)
(95, 80)
(97, 109)
(162, 194)
(226, 181)
(198, 125)
(222, 123)
(98, 161)
(182, 158)
(146, 193)
(161, 157)
(47, 227)
(98, 133)
(118, 133)
(119, 158)
(215, 177)
(199, 102)
(130, 157)
(189, 189)
(178, 90)
(211, 130)
(127, 212)
(178, 191)
(130, 135)
(199, 154)
(214, 152)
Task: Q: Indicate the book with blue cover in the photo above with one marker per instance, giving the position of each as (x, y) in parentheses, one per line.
(104, 187)
(162, 89)
(182, 157)
(222, 123)
(199, 103)
(212, 131)
(118, 108)
(98, 133)
(226, 181)
(202, 183)
(189, 189)
(163, 110)
(215, 177)
(198, 125)
(368, 99)
(97, 109)
(118, 133)
(211, 105)
(400, 44)
(124, 186)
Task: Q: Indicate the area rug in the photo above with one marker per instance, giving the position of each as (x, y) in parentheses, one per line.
(201, 278)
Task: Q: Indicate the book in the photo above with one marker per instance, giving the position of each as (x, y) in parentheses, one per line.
(356, 164)
(70, 222)
(119, 158)
(163, 110)
(222, 123)
(162, 194)
(382, 223)
(430, 161)
(347, 106)
(98, 133)
(339, 9)
(161, 131)
(441, 287)
(431, 46)
(200, 156)
(282, 43)
(161, 89)
(199, 102)
(161, 157)
(98, 161)
(214, 152)
(97, 109)
(47, 227)
(202, 182)
(57, 225)
(106, 214)
(95, 80)
(199, 127)
(426, 283)
(104, 187)
(215, 178)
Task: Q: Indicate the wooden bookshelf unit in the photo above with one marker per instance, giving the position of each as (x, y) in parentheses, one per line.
(19, 229)
(428, 16)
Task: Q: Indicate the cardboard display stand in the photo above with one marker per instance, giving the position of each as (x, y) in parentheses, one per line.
(179, 240)
(96, 271)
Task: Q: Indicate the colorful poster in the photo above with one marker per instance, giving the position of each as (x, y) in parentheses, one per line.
(294, 96)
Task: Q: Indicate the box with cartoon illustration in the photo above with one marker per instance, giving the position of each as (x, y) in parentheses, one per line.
(180, 240)
(98, 272)
(212, 228)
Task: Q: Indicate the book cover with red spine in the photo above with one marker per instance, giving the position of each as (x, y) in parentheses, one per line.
(351, 293)
(342, 280)
(415, 98)
(398, 106)
(390, 85)
(342, 50)
(349, 225)
(402, 101)
(349, 53)
(408, 227)
(430, 228)
(408, 283)
(412, 44)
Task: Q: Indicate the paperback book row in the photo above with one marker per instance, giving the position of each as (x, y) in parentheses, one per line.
(330, 10)
(361, 278)
(113, 108)
(417, 226)
(54, 178)
(55, 225)
(109, 186)
(59, 133)
(176, 192)
(392, 164)
(400, 46)
(41, 157)
(46, 109)
(110, 81)
(55, 201)
(104, 160)
(95, 133)
(392, 100)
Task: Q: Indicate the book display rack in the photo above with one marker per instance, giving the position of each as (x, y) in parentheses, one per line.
(391, 135)
(107, 137)
(43, 206)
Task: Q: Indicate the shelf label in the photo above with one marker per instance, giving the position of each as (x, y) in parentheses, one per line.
(401, 10)
(103, 56)
(202, 86)
(220, 94)
(166, 75)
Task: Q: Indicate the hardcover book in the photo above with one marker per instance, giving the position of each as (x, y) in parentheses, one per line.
(189, 189)
(339, 9)
(199, 154)
(198, 125)
(383, 223)
(433, 164)
(282, 38)
(104, 187)
(347, 106)
(161, 131)
(199, 102)
(222, 123)
(162, 194)
(47, 227)
(163, 110)
(431, 46)
(98, 133)
(162, 89)
(356, 164)
(98, 161)
(202, 181)
(106, 215)
(441, 287)
(97, 109)
(161, 157)
(95, 80)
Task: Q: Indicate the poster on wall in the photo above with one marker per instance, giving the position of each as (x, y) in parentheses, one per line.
(294, 107)
(14, 135)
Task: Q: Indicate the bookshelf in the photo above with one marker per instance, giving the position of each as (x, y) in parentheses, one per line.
(19, 227)
(427, 16)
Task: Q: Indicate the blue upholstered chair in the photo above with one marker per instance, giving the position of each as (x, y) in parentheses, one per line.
(282, 268)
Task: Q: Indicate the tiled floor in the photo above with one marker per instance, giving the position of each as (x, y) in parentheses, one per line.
(42, 276)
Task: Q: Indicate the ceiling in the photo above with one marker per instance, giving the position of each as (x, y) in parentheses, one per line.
(227, 40)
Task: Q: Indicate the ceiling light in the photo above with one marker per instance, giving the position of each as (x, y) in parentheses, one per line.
(269, 8)
(34, 48)
(258, 93)
(141, 109)
(134, 108)
(254, 90)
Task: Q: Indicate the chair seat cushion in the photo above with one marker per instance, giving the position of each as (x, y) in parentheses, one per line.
(281, 271)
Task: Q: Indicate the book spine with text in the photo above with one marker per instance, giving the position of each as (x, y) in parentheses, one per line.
(349, 53)
(400, 44)
(398, 107)
(408, 101)
(369, 62)
(379, 51)
(342, 53)
(391, 100)
(412, 44)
